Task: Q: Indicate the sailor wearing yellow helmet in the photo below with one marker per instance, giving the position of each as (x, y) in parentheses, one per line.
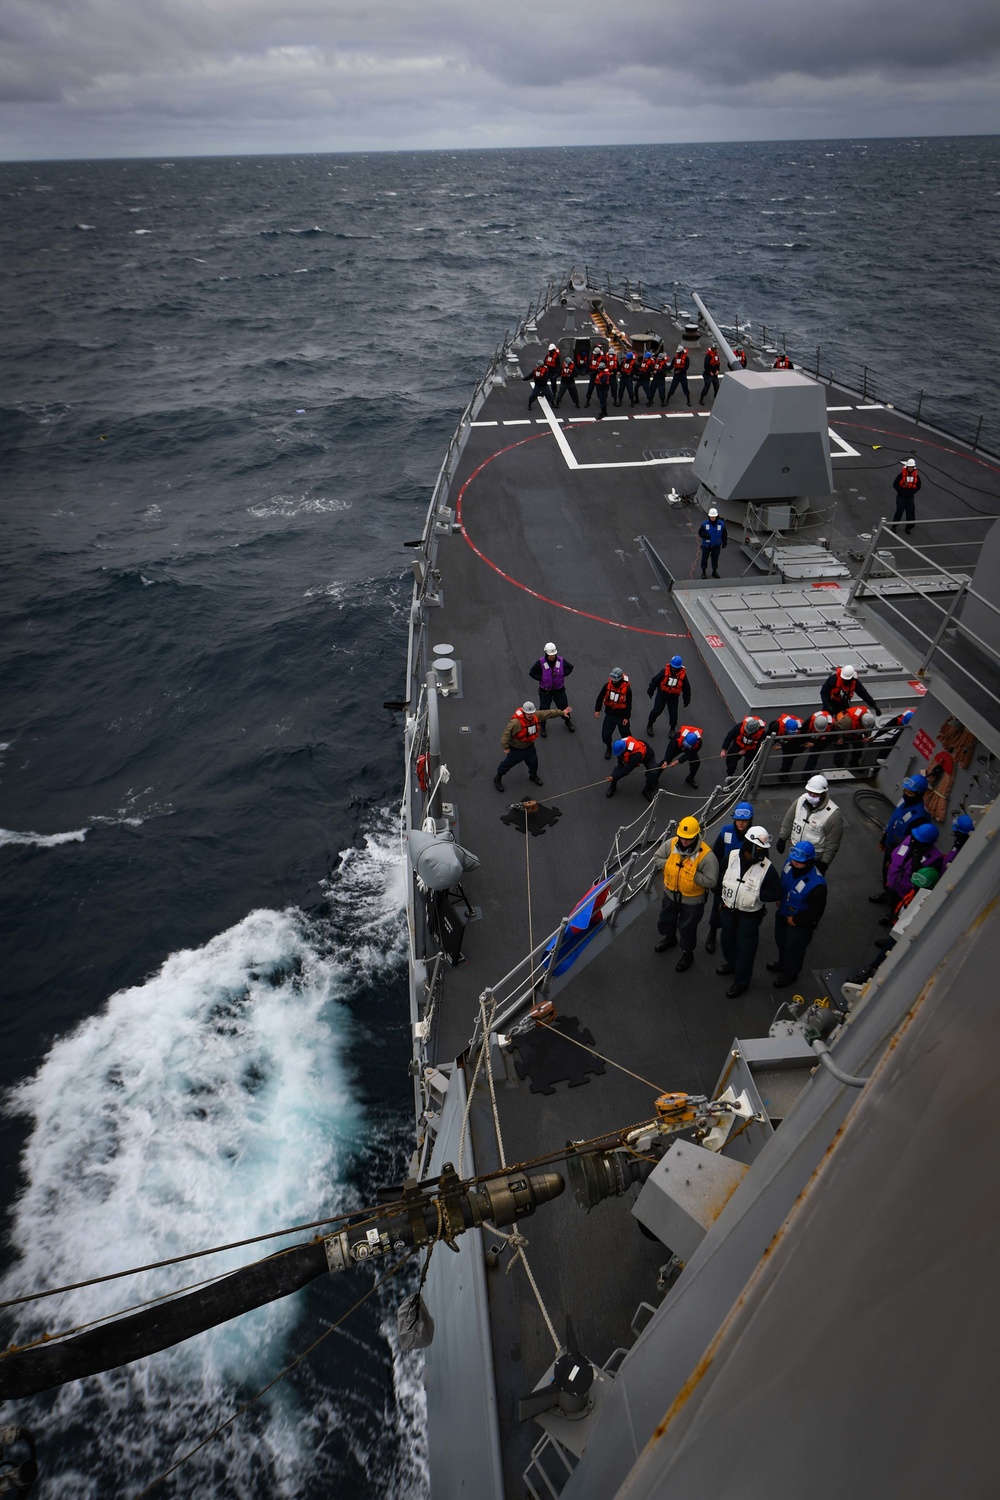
(690, 871)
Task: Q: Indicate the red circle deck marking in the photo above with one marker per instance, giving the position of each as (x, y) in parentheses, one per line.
(571, 609)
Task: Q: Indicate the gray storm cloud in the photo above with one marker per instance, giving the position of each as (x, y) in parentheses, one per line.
(167, 75)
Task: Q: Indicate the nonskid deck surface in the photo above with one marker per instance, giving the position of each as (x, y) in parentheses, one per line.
(547, 551)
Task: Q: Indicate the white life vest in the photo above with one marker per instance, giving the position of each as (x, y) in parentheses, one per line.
(810, 823)
(741, 890)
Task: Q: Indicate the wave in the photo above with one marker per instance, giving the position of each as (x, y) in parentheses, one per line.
(42, 840)
(209, 1103)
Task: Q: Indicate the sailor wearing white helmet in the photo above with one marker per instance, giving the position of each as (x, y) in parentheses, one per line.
(713, 537)
(906, 484)
(816, 817)
(550, 672)
(748, 881)
(518, 740)
(679, 367)
(552, 364)
(840, 687)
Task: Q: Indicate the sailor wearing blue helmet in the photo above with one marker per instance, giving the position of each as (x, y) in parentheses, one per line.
(961, 827)
(803, 902)
(908, 812)
(671, 687)
(729, 838)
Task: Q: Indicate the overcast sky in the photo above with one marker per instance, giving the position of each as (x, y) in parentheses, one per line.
(189, 77)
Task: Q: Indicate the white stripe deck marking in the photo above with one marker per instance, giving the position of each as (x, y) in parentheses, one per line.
(844, 449)
(873, 406)
(840, 408)
(572, 462)
(520, 422)
(678, 415)
(647, 416)
(484, 424)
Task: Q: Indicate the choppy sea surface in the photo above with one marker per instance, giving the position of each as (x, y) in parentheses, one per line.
(225, 389)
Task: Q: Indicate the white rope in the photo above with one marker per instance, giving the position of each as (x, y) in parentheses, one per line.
(527, 881)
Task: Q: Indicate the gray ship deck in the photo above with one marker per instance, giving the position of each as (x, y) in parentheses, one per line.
(549, 551)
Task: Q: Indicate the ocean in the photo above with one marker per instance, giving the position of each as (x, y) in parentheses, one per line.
(226, 386)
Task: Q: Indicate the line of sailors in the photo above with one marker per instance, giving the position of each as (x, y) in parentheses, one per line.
(613, 375)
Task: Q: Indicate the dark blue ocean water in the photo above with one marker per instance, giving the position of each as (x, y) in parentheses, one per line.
(225, 389)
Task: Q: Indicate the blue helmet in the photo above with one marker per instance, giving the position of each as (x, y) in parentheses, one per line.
(618, 747)
(792, 724)
(905, 717)
(963, 824)
(927, 833)
(677, 661)
(916, 783)
(802, 852)
(692, 740)
(743, 810)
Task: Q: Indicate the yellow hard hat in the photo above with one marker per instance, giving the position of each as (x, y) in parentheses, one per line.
(688, 828)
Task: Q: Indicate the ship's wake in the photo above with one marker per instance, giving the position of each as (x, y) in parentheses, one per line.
(218, 1100)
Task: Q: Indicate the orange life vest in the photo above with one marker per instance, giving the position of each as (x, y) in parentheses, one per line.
(782, 362)
(616, 694)
(529, 726)
(568, 366)
(712, 360)
(741, 356)
(540, 372)
(909, 479)
(856, 714)
(552, 359)
(783, 722)
(673, 682)
(687, 729)
(842, 690)
(634, 749)
(596, 362)
(680, 361)
(745, 738)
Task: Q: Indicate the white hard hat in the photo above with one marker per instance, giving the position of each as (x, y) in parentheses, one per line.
(758, 836)
(550, 648)
(552, 346)
(910, 463)
(713, 513)
(823, 721)
(817, 784)
(680, 348)
(848, 671)
(528, 706)
(867, 719)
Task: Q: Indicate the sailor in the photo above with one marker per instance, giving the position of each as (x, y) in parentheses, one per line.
(552, 364)
(728, 838)
(916, 851)
(550, 672)
(785, 728)
(890, 732)
(644, 375)
(802, 904)
(632, 753)
(961, 828)
(602, 381)
(713, 537)
(710, 373)
(661, 365)
(595, 365)
(748, 880)
(740, 353)
(567, 385)
(745, 738)
(690, 871)
(626, 377)
(615, 698)
(670, 686)
(612, 362)
(839, 688)
(816, 817)
(814, 730)
(906, 484)
(852, 731)
(783, 363)
(907, 814)
(684, 747)
(518, 740)
(539, 378)
(679, 366)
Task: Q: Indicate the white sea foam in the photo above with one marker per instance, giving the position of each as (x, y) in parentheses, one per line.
(42, 840)
(292, 505)
(209, 1103)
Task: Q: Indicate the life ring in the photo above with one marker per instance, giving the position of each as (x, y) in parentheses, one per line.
(423, 761)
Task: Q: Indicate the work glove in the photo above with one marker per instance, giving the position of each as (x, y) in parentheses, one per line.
(780, 846)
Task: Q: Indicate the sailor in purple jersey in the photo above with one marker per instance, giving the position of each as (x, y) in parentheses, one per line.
(550, 672)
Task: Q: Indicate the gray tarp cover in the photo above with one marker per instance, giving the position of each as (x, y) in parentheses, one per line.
(438, 861)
